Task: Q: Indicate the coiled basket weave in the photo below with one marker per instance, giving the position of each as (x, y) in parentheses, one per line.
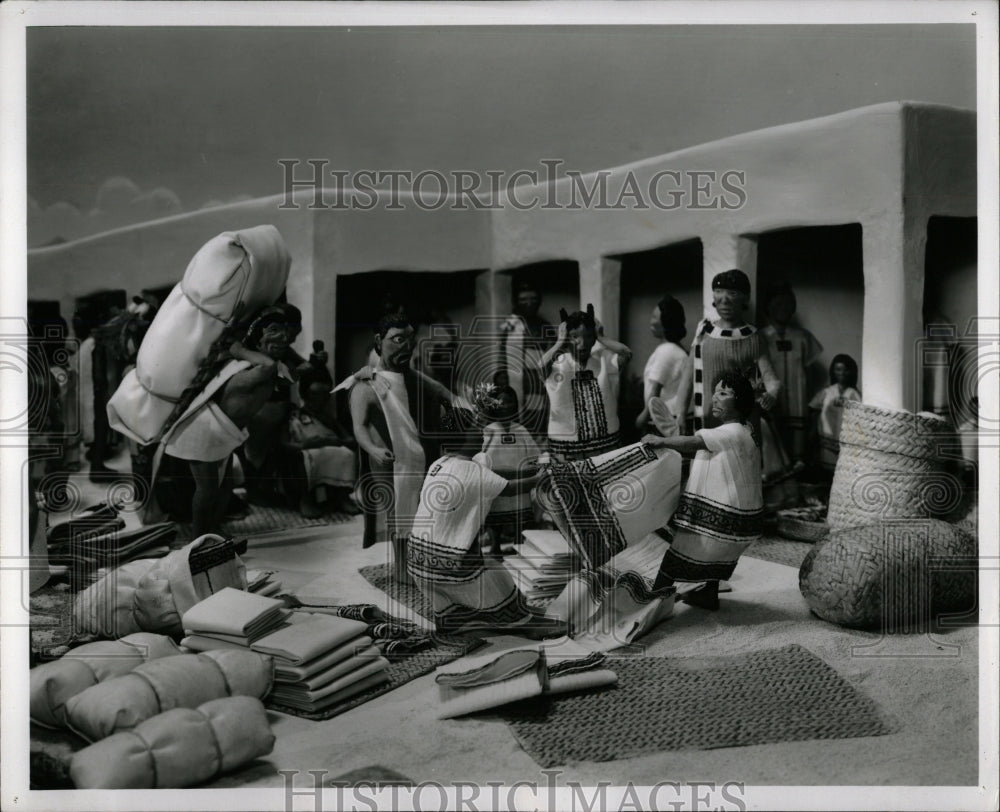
(891, 467)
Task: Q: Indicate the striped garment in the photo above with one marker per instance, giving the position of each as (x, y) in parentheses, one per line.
(715, 350)
(721, 510)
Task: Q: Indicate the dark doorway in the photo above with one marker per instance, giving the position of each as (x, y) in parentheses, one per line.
(949, 374)
(824, 267)
(646, 276)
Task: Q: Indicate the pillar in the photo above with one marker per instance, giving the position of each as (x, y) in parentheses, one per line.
(893, 248)
(600, 285)
(493, 292)
(721, 252)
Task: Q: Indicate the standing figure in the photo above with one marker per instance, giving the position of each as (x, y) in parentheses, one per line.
(395, 413)
(581, 378)
(209, 423)
(792, 350)
(721, 509)
(828, 409)
(665, 367)
(727, 344)
(508, 450)
(524, 338)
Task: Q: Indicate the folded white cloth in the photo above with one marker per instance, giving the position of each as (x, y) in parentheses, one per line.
(178, 748)
(302, 642)
(287, 672)
(233, 613)
(373, 672)
(335, 671)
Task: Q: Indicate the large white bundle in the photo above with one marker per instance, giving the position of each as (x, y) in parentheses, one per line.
(181, 681)
(231, 277)
(182, 747)
(52, 684)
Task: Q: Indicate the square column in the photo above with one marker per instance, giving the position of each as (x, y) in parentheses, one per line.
(493, 292)
(600, 285)
(893, 248)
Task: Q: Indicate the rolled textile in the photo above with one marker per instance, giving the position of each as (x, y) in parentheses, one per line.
(182, 681)
(52, 684)
(152, 594)
(182, 747)
(232, 276)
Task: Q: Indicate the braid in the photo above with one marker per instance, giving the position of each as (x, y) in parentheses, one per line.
(218, 356)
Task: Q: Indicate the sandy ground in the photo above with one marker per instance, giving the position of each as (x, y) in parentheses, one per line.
(925, 685)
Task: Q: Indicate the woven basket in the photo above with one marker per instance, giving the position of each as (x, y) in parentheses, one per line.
(894, 576)
(890, 468)
(801, 529)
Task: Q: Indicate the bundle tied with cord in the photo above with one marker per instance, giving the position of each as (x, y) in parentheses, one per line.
(230, 278)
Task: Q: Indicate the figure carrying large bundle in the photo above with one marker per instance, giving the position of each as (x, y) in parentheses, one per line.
(208, 362)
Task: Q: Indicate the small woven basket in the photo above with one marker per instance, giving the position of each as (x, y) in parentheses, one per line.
(890, 468)
(791, 527)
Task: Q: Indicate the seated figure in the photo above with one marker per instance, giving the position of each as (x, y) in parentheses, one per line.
(318, 464)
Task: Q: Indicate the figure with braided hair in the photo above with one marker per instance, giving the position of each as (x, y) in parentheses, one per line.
(720, 513)
(209, 422)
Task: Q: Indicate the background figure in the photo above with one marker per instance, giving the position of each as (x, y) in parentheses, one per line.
(582, 371)
(317, 465)
(525, 337)
(728, 344)
(792, 350)
(509, 451)
(665, 367)
(828, 410)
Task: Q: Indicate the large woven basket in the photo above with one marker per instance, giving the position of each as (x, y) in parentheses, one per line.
(890, 467)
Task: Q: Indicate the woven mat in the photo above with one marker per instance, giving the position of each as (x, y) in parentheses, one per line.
(661, 703)
(408, 595)
(266, 519)
(780, 551)
(401, 672)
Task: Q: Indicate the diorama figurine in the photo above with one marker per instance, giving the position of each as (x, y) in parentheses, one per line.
(792, 350)
(828, 409)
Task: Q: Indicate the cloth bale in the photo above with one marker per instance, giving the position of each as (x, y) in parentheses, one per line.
(893, 576)
(891, 467)
(232, 276)
(52, 684)
(179, 748)
(152, 594)
(185, 680)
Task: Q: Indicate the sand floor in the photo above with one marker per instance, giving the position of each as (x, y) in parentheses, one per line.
(926, 686)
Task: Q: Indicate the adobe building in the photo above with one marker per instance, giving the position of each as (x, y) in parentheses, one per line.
(869, 214)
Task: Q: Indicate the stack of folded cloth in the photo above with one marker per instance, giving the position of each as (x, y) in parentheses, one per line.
(261, 582)
(519, 671)
(542, 566)
(231, 618)
(321, 660)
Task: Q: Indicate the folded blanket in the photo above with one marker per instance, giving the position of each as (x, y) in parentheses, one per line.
(200, 643)
(371, 672)
(182, 747)
(290, 673)
(234, 612)
(350, 689)
(490, 681)
(328, 675)
(52, 684)
(184, 680)
(153, 594)
(302, 642)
